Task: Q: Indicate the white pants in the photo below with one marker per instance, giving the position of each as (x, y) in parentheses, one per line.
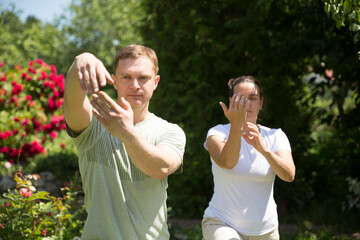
(215, 229)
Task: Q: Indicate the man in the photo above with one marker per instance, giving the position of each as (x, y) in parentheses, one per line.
(125, 152)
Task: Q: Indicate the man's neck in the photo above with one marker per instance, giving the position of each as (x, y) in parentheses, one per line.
(140, 115)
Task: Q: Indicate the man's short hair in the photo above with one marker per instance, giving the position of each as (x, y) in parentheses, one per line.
(136, 51)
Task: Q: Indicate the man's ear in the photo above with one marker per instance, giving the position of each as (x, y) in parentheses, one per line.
(157, 80)
(113, 78)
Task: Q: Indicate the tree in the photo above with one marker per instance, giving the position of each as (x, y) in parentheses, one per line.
(101, 27)
(345, 12)
(277, 42)
(21, 42)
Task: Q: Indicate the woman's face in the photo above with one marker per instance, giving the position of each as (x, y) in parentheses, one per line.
(251, 92)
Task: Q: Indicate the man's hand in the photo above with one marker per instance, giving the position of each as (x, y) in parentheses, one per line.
(237, 111)
(116, 118)
(91, 73)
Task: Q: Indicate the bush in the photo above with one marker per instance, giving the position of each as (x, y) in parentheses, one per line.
(27, 214)
(30, 112)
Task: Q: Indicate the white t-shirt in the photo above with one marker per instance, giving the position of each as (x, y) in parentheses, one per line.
(243, 196)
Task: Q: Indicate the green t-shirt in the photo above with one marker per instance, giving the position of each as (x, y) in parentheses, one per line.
(122, 202)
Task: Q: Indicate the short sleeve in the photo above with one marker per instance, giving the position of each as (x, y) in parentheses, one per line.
(219, 130)
(281, 141)
(175, 138)
(87, 138)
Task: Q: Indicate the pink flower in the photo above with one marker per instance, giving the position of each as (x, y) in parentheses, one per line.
(28, 97)
(14, 152)
(1, 226)
(53, 69)
(31, 63)
(17, 88)
(31, 70)
(4, 149)
(36, 148)
(43, 232)
(31, 103)
(2, 63)
(39, 61)
(44, 75)
(23, 75)
(7, 205)
(36, 124)
(26, 192)
(53, 134)
(15, 131)
(25, 122)
(3, 136)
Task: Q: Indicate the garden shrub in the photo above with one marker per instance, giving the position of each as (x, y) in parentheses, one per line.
(29, 214)
(30, 112)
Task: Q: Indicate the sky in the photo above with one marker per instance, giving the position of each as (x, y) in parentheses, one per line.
(44, 10)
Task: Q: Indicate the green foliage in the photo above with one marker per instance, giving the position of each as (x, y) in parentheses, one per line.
(23, 41)
(27, 214)
(30, 110)
(345, 12)
(101, 27)
(278, 42)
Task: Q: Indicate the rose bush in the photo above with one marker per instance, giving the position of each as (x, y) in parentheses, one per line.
(30, 111)
(26, 213)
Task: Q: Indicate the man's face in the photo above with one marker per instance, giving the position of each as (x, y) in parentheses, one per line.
(135, 81)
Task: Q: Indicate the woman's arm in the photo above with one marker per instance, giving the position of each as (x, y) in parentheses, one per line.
(281, 162)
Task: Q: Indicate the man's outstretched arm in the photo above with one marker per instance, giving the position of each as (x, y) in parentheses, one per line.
(86, 75)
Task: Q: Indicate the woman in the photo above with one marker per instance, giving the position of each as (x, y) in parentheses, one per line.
(245, 158)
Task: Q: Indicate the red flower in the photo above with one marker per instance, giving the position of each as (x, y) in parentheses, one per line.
(15, 131)
(31, 103)
(53, 134)
(39, 61)
(44, 75)
(25, 122)
(1, 226)
(62, 145)
(28, 97)
(17, 88)
(43, 232)
(53, 69)
(2, 63)
(4, 149)
(26, 192)
(3, 136)
(14, 153)
(36, 124)
(7, 205)
(36, 147)
(31, 70)
(31, 63)
(16, 119)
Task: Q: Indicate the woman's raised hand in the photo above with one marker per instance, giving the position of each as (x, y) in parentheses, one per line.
(237, 111)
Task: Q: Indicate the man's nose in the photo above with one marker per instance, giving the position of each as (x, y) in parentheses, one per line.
(135, 83)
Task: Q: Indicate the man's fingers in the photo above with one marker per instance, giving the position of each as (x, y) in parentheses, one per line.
(108, 77)
(99, 105)
(108, 100)
(93, 80)
(81, 80)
